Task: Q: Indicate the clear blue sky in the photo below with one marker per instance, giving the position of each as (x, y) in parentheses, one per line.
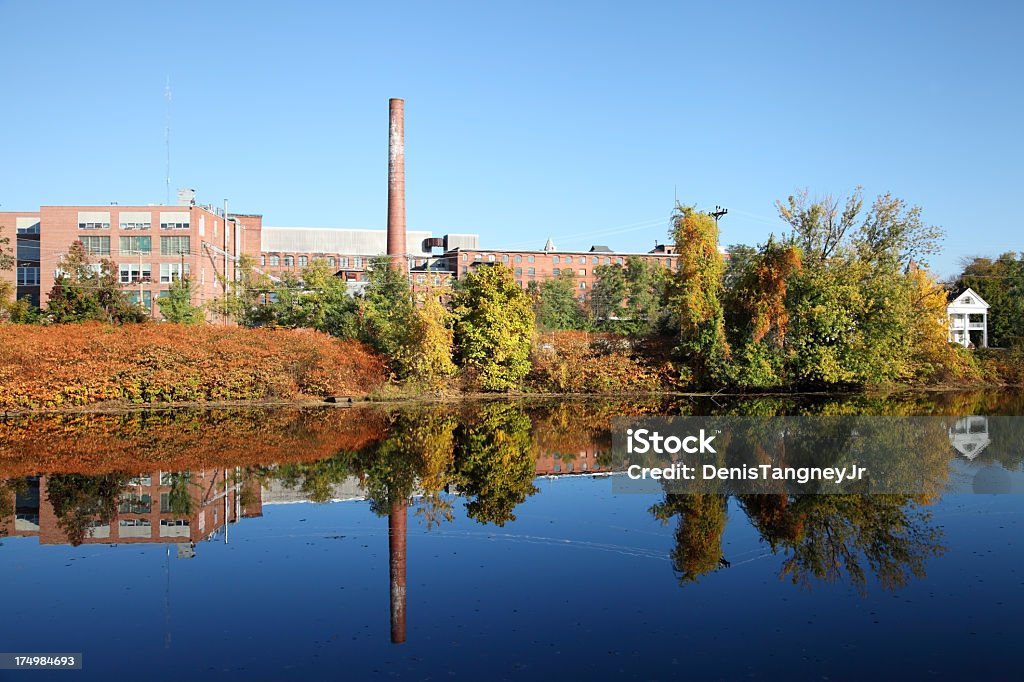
(523, 120)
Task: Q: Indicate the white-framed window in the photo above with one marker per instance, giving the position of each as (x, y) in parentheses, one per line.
(132, 273)
(136, 245)
(136, 226)
(96, 246)
(581, 272)
(289, 261)
(172, 271)
(357, 262)
(28, 276)
(330, 261)
(303, 261)
(174, 226)
(555, 259)
(93, 226)
(275, 261)
(175, 246)
(343, 262)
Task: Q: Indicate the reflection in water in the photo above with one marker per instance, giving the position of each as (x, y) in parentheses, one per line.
(180, 478)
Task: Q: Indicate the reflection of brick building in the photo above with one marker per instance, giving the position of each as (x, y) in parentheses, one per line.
(157, 507)
(581, 462)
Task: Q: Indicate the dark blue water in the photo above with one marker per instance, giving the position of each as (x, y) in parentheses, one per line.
(579, 586)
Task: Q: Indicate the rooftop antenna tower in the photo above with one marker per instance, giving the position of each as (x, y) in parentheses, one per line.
(167, 139)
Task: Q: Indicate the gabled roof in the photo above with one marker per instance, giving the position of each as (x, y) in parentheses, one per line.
(600, 248)
(969, 297)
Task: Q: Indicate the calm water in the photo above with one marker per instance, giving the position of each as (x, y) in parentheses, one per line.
(484, 542)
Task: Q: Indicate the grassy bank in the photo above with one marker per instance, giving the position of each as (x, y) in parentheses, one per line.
(84, 364)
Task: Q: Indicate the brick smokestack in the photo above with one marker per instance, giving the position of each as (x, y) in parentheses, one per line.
(396, 186)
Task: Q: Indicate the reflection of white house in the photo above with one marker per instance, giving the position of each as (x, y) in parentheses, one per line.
(969, 436)
(968, 313)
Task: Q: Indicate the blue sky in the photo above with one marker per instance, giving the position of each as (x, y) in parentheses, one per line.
(523, 120)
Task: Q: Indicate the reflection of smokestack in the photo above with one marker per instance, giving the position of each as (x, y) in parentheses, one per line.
(396, 553)
(396, 185)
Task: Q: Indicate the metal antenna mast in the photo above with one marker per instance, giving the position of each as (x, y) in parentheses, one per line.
(167, 138)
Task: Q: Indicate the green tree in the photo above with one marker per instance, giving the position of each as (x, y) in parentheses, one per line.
(494, 326)
(86, 290)
(177, 305)
(555, 303)
(695, 299)
(630, 298)
(245, 298)
(385, 314)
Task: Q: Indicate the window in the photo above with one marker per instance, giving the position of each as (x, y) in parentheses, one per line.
(465, 257)
(330, 261)
(132, 273)
(478, 258)
(490, 258)
(343, 262)
(593, 260)
(464, 269)
(172, 271)
(28, 276)
(618, 261)
(420, 279)
(133, 503)
(357, 262)
(93, 226)
(531, 272)
(289, 261)
(175, 246)
(583, 285)
(529, 259)
(607, 260)
(556, 272)
(136, 226)
(504, 258)
(519, 259)
(519, 272)
(147, 298)
(275, 261)
(554, 259)
(263, 260)
(136, 245)
(96, 246)
(174, 226)
(582, 272)
(303, 261)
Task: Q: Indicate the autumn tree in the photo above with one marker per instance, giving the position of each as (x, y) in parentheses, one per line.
(494, 326)
(1000, 282)
(87, 290)
(695, 299)
(429, 344)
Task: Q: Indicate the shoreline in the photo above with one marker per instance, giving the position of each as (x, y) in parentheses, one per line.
(352, 401)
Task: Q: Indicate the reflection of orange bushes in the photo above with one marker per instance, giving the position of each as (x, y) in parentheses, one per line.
(82, 364)
(95, 444)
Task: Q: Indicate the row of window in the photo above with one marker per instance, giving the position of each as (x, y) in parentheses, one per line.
(133, 273)
(134, 503)
(289, 261)
(582, 260)
(133, 226)
(169, 246)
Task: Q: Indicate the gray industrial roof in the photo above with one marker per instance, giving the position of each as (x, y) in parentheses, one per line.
(336, 240)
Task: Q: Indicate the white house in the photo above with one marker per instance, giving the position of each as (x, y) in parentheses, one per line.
(968, 313)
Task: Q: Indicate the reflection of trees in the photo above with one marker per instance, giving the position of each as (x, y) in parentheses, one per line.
(79, 501)
(698, 536)
(821, 537)
(493, 462)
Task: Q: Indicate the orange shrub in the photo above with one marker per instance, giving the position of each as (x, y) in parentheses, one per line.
(81, 364)
(582, 362)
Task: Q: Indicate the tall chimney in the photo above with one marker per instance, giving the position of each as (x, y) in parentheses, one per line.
(396, 186)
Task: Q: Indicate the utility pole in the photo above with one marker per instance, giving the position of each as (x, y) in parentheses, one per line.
(718, 213)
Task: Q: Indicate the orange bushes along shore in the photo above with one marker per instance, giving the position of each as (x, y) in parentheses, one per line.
(82, 364)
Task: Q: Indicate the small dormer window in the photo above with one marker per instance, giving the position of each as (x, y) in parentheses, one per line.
(968, 300)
